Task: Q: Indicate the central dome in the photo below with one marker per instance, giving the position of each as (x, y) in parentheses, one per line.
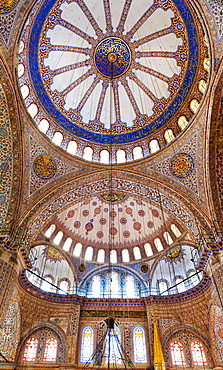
(112, 57)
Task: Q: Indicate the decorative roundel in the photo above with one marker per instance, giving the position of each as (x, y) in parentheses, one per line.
(112, 57)
(114, 73)
(181, 165)
(81, 267)
(144, 268)
(44, 166)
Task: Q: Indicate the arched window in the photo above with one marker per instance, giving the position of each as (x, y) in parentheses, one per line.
(113, 256)
(137, 253)
(33, 110)
(182, 122)
(198, 354)
(207, 64)
(114, 284)
(30, 350)
(194, 105)
(202, 86)
(44, 125)
(180, 284)
(58, 238)
(115, 347)
(193, 278)
(125, 255)
(50, 351)
(88, 153)
(57, 138)
(175, 230)
(130, 286)
(169, 136)
(87, 344)
(154, 146)
(21, 70)
(96, 286)
(104, 156)
(177, 353)
(67, 244)
(148, 249)
(137, 152)
(120, 156)
(50, 231)
(101, 256)
(72, 147)
(167, 237)
(24, 91)
(139, 345)
(45, 284)
(64, 286)
(77, 250)
(158, 244)
(89, 253)
(163, 287)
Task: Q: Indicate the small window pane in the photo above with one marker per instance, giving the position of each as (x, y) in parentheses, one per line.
(180, 285)
(21, 70)
(63, 287)
(202, 86)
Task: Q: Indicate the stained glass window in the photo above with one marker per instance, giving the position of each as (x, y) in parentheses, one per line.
(50, 351)
(139, 345)
(87, 344)
(113, 347)
(30, 350)
(198, 353)
(177, 353)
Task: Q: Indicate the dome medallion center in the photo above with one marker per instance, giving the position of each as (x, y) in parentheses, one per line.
(112, 57)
